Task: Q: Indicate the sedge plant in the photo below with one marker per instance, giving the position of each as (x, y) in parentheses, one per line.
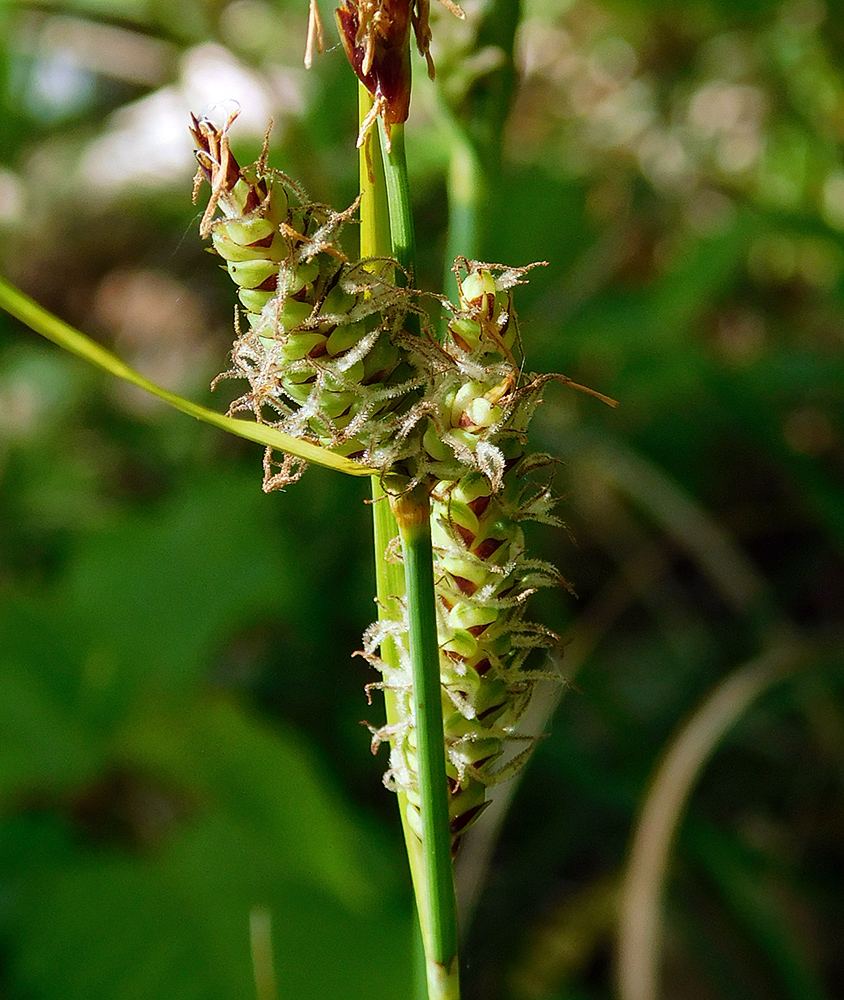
(344, 368)
(339, 353)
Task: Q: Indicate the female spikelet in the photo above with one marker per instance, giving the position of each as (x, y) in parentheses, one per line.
(476, 414)
(318, 349)
(484, 576)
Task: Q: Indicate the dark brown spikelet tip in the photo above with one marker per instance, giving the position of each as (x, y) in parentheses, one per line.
(216, 162)
(488, 547)
(465, 586)
(219, 167)
(375, 35)
(461, 823)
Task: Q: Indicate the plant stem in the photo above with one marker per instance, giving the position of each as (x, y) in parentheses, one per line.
(437, 906)
(476, 118)
(376, 241)
(467, 200)
(398, 196)
(375, 237)
(41, 321)
(387, 230)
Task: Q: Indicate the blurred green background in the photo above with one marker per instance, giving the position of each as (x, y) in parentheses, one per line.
(181, 751)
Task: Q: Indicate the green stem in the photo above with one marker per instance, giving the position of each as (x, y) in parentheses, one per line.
(387, 230)
(437, 910)
(375, 237)
(390, 589)
(467, 201)
(398, 196)
(476, 118)
(376, 241)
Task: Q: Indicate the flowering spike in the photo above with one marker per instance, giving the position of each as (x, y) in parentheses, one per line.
(376, 35)
(318, 348)
(329, 360)
(470, 429)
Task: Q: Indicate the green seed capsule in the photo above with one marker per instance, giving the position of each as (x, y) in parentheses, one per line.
(252, 273)
(435, 446)
(298, 345)
(252, 300)
(468, 616)
(381, 361)
(478, 290)
(344, 338)
(241, 232)
(232, 251)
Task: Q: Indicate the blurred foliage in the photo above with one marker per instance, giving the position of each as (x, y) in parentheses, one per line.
(180, 739)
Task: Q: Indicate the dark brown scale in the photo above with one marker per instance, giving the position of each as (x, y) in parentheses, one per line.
(464, 586)
(459, 823)
(461, 343)
(483, 715)
(253, 201)
(266, 241)
(479, 505)
(482, 666)
(232, 172)
(477, 630)
(510, 463)
(268, 284)
(487, 547)
(466, 534)
(318, 350)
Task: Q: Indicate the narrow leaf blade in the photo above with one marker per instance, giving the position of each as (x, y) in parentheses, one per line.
(45, 323)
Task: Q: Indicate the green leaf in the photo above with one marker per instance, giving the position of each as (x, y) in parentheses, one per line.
(767, 904)
(45, 746)
(51, 327)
